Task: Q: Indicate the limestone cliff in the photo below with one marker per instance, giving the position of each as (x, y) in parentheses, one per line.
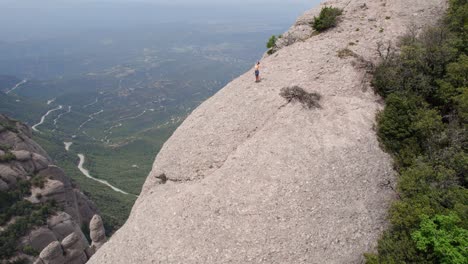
(27, 173)
(251, 178)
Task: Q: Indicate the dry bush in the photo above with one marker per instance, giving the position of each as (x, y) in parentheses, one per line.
(296, 93)
(344, 53)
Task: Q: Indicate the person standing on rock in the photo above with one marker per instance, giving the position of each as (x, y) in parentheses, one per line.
(257, 72)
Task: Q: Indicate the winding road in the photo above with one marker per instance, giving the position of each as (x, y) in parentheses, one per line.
(85, 172)
(93, 103)
(16, 86)
(60, 115)
(44, 116)
(91, 117)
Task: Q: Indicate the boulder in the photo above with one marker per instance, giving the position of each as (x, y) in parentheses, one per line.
(54, 190)
(8, 175)
(74, 249)
(22, 155)
(41, 238)
(97, 232)
(53, 254)
(55, 173)
(27, 167)
(62, 225)
(62, 191)
(39, 261)
(40, 162)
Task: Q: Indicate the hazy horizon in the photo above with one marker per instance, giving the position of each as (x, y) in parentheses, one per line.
(29, 20)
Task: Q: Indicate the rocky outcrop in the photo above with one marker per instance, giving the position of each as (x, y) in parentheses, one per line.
(251, 178)
(52, 254)
(61, 240)
(98, 234)
(73, 248)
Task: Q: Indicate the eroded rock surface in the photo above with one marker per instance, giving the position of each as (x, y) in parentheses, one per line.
(250, 178)
(61, 239)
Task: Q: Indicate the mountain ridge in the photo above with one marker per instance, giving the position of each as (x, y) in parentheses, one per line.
(249, 177)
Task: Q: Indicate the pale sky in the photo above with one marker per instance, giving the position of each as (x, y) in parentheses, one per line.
(25, 19)
(65, 3)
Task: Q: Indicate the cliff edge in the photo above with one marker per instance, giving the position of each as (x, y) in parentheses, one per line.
(251, 178)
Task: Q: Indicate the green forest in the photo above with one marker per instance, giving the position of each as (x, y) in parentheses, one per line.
(423, 126)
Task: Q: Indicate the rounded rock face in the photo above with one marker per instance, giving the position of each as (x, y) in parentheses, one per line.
(53, 254)
(62, 225)
(22, 155)
(261, 180)
(74, 249)
(41, 237)
(72, 241)
(40, 162)
(97, 232)
(8, 175)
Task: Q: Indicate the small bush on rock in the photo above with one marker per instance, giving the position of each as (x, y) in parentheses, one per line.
(271, 42)
(344, 53)
(328, 18)
(7, 157)
(296, 93)
(38, 181)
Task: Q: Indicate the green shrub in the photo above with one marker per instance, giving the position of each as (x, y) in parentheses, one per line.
(9, 126)
(271, 42)
(7, 157)
(36, 215)
(38, 181)
(423, 126)
(442, 237)
(328, 18)
(28, 250)
(27, 216)
(5, 147)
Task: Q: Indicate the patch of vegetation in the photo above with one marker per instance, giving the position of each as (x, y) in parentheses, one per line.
(424, 127)
(8, 126)
(5, 147)
(344, 53)
(28, 250)
(296, 93)
(38, 181)
(387, 17)
(328, 18)
(442, 236)
(26, 216)
(271, 44)
(7, 157)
